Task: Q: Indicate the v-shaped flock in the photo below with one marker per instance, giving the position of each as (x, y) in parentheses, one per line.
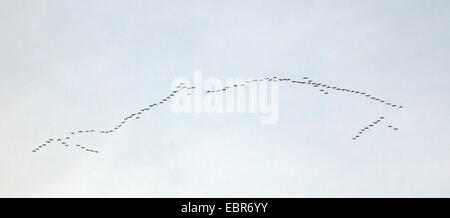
(326, 89)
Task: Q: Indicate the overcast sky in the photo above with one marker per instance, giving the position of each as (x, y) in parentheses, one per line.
(69, 65)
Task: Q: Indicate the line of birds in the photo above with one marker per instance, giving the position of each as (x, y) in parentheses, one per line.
(366, 128)
(324, 88)
(136, 115)
(394, 128)
(64, 143)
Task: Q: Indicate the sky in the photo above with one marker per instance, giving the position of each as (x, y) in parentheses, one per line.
(69, 65)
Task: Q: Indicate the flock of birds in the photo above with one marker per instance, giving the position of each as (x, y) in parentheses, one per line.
(64, 140)
(182, 88)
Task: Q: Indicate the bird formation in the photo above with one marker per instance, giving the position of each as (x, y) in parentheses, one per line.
(136, 115)
(366, 128)
(363, 130)
(64, 143)
(324, 88)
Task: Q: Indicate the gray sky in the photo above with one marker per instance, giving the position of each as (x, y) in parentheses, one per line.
(68, 65)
